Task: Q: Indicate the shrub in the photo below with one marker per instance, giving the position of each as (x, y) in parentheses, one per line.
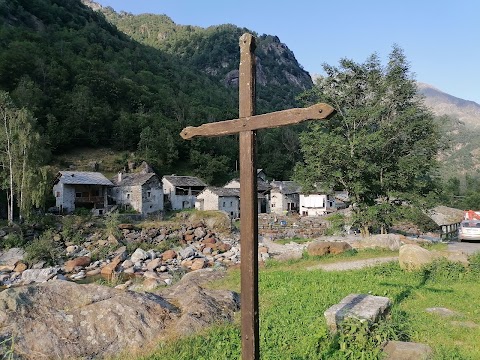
(112, 220)
(13, 240)
(44, 248)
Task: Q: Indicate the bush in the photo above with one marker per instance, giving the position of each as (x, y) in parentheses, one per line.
(13, 240)
(442, 269)
(337, 223)
(44, 248)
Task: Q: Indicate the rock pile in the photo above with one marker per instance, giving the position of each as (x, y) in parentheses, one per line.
(194, 247)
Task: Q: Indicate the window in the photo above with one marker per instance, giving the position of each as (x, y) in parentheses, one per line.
(149, 193)
(58, 193)
(224, 204)
(96, 193)
(128, 195)
(273, 204)
(78, 194)
(231, 203)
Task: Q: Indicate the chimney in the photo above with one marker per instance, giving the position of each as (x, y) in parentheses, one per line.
(119, 178)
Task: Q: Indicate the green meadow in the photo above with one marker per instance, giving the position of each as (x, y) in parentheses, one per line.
(293, 300)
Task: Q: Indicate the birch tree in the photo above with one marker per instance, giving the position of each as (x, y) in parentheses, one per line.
(22, 156)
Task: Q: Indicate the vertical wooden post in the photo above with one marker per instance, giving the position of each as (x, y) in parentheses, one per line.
(248, 205)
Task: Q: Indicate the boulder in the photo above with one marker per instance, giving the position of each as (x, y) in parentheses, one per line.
(109, 269)
(357, 306)
(198, 264)
(152, 265)
(338, 247)
(168, 255)
(412, 257)
(70, 265)
(38, 275)
(318, 248)
(401, 350)
(12, 256)
(139, 255)
(20, 267)
(382, 241)
(64, 320)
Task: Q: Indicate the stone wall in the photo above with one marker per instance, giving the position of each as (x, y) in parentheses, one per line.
(280, 227)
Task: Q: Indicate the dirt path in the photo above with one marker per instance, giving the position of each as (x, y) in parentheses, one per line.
(352, 265)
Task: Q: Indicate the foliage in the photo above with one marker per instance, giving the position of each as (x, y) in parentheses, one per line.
(112, 220)
(44, 248)
(337, 224)
(13, 240)
(380, 146)
(89, 84)
(22, 156)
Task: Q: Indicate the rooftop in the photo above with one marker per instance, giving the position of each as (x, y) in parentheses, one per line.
(82, 178)
(184, 181)
(133, 179)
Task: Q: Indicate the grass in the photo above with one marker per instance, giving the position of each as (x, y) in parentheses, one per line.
(292, 302)
(297, 240)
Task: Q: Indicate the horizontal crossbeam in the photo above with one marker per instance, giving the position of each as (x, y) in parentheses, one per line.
(271, 120)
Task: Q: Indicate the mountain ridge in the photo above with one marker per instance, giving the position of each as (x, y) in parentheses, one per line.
(441, 103)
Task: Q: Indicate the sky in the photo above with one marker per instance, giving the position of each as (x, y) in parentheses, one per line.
(440, 38)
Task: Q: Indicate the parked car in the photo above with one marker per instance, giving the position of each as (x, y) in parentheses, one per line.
(469, 230)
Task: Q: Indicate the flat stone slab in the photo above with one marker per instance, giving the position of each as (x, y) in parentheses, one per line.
(357, 306)
(402, 350)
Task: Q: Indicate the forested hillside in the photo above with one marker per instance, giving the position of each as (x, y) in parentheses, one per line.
(89, 84)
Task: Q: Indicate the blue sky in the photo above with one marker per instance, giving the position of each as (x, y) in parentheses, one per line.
(440, 38)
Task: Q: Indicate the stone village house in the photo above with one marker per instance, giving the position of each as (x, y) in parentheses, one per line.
(217, 198)
(263, 192)
(284, 197)
(181, 191)
(141, 191)
(81, 189)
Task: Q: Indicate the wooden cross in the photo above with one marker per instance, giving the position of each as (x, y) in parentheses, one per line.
(247, 125)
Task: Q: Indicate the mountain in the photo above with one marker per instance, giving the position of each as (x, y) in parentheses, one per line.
(459, 122)
(442, 103)
(91, 85)
(215, 51)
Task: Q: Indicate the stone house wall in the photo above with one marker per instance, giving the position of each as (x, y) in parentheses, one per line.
(208, 200)
(281, 203)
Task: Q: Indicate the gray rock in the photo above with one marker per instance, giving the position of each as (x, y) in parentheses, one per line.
(358, 306)
(92, 321)
(139, 255)
(12, 256)
(127, 264)
(382, 241)
(199, 232)
(399, 350)
(187, 252)
(152, 265)
(38, 275)
(152, 254)
(413, 257)
(444, 312)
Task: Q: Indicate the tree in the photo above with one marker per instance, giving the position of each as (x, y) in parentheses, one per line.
(22, 156)
(382, 143)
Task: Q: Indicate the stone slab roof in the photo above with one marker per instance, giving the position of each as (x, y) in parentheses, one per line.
(287, 187)
(133, 179)
(262, 186)
(82, 178)
(443, 215)
(184, 181)
(223, 192)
